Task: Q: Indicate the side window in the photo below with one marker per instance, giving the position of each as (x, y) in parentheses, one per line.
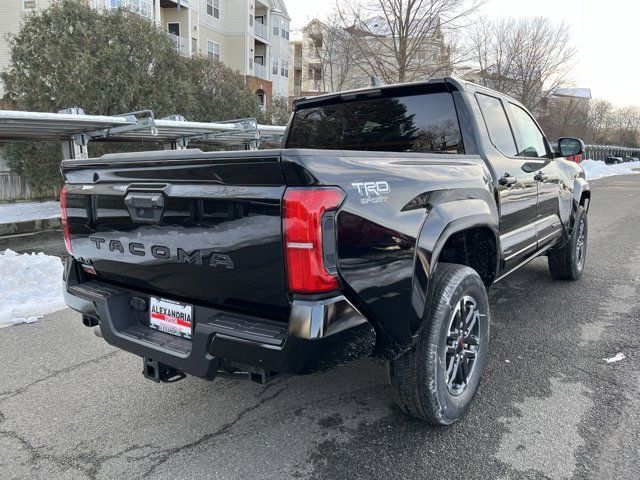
(497, 124)
(530, 138)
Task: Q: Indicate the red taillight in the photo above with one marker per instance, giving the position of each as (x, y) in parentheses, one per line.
(303, 214)
(64, 219)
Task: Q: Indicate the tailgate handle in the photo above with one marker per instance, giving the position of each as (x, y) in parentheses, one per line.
(145, 207)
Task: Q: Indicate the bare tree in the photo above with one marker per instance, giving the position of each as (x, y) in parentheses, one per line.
(491, 50)
(403, 40)
(599, 122)
(333, 47)
(565, 117)
(610, 126)
(626, 126)
(524, 57)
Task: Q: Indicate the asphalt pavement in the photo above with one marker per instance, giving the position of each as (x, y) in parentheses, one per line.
(549, 406)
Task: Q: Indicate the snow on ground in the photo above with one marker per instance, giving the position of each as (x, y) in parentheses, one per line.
(24, 211)
(30, 287)
(616, 358)
(595, 169)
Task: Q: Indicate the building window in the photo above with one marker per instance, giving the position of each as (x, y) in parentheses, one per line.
(251, 20)
(276, 26)
(213, 8)
(174, 28)
(284, 68)
(29, 4)
(262, 100)
(284, 30)
(213, 51)
(114, 3)
(275, 67)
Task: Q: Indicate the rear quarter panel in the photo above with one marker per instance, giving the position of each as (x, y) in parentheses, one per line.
(388, 200)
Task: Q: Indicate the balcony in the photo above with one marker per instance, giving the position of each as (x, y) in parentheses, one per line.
(261, 30)
(260, 71)
(180, 45)
(174, 3)
(297, 62)
(142, 7)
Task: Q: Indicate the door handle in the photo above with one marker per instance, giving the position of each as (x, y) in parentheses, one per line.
(507, 180)
(540, 177)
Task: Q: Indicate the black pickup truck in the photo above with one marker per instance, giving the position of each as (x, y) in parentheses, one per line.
(375, 231)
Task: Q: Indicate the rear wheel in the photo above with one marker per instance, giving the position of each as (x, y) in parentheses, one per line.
(567, 262)
(437, 379)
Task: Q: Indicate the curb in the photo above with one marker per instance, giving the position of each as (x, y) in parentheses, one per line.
(30, 226)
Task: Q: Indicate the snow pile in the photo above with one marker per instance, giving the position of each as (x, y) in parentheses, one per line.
(30, 287)
(594, 169)
(25, 211)
(618, 357)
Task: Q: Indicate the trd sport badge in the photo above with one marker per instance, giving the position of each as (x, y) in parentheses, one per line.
(372, 192)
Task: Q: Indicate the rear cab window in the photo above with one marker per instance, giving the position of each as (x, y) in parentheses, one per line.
(424, 122)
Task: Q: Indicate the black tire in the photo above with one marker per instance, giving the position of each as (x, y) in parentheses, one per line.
(422, 378)
(567, 262)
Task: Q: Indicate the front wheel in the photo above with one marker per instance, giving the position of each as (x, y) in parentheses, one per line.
(567, 262)
(437, 379)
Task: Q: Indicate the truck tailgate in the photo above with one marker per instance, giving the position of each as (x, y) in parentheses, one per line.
(195, 227)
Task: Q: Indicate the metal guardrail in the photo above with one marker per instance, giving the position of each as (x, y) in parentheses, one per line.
(600, 152)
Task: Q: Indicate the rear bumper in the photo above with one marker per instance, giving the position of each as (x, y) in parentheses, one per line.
(320, 334)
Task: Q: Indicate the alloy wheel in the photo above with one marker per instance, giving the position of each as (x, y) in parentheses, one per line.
(462, 344)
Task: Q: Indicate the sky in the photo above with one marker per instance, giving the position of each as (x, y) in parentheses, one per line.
(606, 34)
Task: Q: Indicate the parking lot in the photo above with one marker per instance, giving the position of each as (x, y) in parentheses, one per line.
(550, 405)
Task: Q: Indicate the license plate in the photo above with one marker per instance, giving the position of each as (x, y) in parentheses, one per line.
(171, 317)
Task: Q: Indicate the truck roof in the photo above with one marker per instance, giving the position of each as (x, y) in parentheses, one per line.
(450, 83)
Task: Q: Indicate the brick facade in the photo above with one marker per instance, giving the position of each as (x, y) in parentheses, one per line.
(256, 83)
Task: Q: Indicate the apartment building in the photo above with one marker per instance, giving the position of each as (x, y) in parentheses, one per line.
(250, 36)
(326, 58)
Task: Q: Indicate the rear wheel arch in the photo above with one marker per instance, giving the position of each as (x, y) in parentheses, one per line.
(475, 247)
(464, 234)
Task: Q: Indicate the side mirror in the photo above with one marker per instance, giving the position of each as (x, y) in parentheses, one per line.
(570, 147)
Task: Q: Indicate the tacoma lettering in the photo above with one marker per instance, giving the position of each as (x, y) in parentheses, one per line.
(162, 252)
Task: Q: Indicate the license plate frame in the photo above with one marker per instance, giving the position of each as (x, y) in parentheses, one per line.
(171, 317)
